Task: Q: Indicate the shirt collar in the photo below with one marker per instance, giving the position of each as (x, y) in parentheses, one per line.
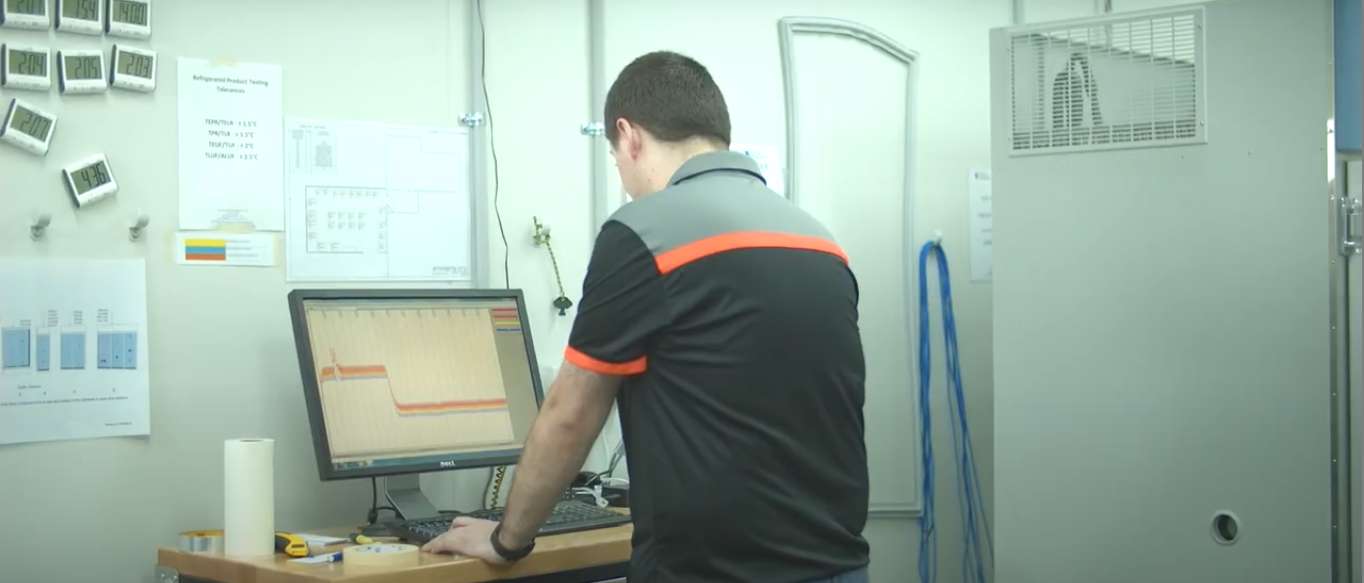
(719, 161)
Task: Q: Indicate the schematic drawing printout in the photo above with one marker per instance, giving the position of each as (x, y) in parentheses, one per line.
(73, 349)
(376, 202)
(408, 381)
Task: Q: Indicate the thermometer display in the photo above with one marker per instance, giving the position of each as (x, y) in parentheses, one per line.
(81, 71)
(25, 68)
(129, 19)
(28, 128)
(29, 14)
(90, 181)
(80, 16)
(132, 69)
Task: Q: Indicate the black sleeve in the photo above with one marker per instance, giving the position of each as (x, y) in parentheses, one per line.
(622, 307)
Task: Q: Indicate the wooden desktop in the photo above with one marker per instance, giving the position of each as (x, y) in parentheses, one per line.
(584, 557)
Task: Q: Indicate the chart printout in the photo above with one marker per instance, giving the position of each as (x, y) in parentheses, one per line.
(73, 349)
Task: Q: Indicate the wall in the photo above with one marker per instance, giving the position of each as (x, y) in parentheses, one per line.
(141, 491)
(136, 493)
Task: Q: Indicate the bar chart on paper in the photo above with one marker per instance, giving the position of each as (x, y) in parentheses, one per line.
(396, 380)
(226, 249)
(73, 349)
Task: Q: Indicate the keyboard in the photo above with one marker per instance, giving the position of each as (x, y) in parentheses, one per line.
(568, 516)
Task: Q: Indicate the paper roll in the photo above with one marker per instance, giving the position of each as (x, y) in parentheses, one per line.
(249, 497)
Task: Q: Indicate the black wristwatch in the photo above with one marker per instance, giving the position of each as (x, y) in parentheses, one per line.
(509, 555)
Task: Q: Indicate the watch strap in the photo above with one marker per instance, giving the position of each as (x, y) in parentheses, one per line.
(509, 555)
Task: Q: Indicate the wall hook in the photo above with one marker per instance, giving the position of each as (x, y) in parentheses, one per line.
(39, 226)
(135, 231)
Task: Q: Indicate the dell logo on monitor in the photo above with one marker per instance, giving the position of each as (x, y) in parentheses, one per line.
(448, 464)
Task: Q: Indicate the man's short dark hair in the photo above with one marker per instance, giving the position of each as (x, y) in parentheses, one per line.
(671, 96)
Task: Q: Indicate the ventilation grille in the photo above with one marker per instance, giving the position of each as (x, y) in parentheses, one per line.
(1118, 83)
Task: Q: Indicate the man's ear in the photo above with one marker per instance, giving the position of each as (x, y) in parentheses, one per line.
(629, 138)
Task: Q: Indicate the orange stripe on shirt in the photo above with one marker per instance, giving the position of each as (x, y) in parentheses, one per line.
(586, 362)
(690, 252)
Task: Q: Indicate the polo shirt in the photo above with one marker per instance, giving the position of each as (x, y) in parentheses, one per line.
(732, 316)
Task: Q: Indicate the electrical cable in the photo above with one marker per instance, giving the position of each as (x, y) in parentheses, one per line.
(541, 236)
(928, 535)
(615, 460)
(496, 476)
(971, 501)
(374, 506)
(492, 143)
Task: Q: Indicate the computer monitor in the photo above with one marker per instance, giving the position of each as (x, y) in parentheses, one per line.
(403, 382)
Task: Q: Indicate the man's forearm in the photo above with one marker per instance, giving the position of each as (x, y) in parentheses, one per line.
(564, 431)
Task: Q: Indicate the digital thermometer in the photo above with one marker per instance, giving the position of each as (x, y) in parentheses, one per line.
(129, 18)
(30, 14)
(28, 128)
(132, 69)
(80, 16)
(90, 180)
(81, 72)
(24, 67)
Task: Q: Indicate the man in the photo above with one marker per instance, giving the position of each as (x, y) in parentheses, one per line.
(724, 319)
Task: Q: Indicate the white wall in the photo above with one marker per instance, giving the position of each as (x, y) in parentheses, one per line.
(135, 494)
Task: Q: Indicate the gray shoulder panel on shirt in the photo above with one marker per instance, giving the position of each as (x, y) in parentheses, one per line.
(712, 195)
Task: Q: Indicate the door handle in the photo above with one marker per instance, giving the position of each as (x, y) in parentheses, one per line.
(1351, 226)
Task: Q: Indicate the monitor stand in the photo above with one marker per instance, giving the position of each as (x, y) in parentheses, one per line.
(404, 494)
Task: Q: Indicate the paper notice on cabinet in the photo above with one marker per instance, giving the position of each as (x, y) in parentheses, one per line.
(981, 224)
(769, 163)
(231, 131)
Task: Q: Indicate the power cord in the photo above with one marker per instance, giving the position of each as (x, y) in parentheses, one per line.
(972, 504)
(495, 479)
(492, 144)
(501, 471)
(541, 237)
(1069, 91)
(374, 507)
(616, 458)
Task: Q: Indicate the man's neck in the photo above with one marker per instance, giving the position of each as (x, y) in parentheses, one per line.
(673, 159)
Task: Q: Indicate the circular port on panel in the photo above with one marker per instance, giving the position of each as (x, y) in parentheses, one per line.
(1225, 528)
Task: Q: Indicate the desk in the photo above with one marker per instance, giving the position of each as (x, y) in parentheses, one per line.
(583, 557)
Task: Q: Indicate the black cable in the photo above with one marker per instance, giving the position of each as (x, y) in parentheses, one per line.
(616, 457)
(488, 486)
(1091, 91)
(497, 190)
(492, 143)
(374, 506)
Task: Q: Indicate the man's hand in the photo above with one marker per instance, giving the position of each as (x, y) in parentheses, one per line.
(469, 537)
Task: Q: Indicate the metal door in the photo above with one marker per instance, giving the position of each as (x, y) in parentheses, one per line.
(1162, 296)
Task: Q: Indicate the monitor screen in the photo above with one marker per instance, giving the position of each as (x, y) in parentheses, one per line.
(412, 384)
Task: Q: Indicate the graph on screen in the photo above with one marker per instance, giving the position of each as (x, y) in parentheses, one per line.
(408, 381)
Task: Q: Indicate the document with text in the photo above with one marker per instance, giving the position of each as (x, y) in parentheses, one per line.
(231, 145)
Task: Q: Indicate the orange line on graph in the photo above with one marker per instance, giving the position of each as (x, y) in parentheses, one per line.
(338, 372)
